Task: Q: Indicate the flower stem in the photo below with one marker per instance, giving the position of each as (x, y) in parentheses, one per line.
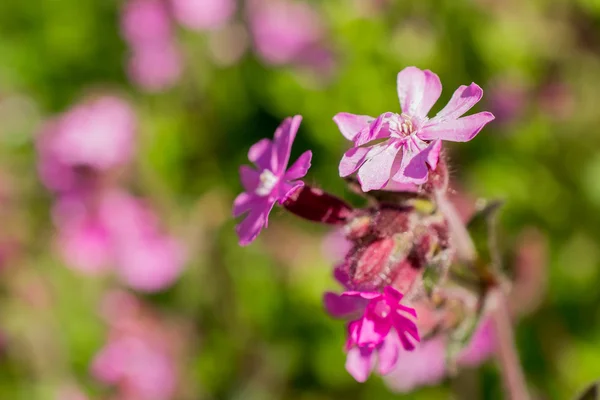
(508, 358)
(465, 249)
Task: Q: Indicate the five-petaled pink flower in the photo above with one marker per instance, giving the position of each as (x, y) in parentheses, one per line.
(378, 333)
(398, 147)
(270, 182)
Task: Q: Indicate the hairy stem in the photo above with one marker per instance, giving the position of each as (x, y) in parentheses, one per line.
(465, 249)
(506, 353)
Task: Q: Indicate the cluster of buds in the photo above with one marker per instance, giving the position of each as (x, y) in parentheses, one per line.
(407, 277)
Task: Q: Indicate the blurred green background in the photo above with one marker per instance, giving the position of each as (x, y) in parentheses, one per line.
(253, 318)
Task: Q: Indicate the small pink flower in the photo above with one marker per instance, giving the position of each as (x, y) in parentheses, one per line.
(98, 134)
(145, 21)
(142, 369)
(411, 136)
(381, 331)
(282, 29)
(155, 67)
(203, 14)
(270, 183)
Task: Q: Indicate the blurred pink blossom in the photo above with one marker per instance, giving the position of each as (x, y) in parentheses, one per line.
(426, 365)
(119, 233)
(203, 14)
(155, 67)
(98, 134)
(142, 369)
(139, 359)
(145, 21)
(282, 30)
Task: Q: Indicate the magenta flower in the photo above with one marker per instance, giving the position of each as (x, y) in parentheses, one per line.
(270, 182)
(381, 331)
(145, 21)
(398, 147)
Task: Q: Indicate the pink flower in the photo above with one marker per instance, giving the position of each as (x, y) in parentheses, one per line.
(270, 183)
(282, 30)
(142, 369)
(381, 331)
(411, 137)
(145, 21)
(155, 67)
(426, 365)
(118, 233)
(98, 134)
(203, 14)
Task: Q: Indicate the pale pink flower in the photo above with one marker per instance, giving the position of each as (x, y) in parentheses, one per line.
(283, 29)
(379, 333)
(145, 21)
(426, 365)
(155, 67)
(121, 234)
(271, 182)
(411, 137)
(203, 14)
(141, 368)
(98, 134)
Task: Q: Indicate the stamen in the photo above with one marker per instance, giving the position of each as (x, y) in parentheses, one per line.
(268, 180)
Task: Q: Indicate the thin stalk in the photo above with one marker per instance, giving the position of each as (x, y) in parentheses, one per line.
(508, 358)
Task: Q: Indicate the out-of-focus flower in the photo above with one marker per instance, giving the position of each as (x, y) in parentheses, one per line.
(120, 233)
(426, 364)
(145, 22)
(271, 183)
(155, 67)
(139, 358)
(70, 392)
(282, 30)
(98, 134)
(507, 100)
(378, 142)
(381, 330)
(203, 14)
(155, 63)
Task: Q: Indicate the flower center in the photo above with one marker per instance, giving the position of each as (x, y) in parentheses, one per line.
(382, 309)
(268, 180)
(402, 126)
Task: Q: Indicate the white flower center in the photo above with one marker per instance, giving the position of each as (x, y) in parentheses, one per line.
(402, 126)
(268, 180)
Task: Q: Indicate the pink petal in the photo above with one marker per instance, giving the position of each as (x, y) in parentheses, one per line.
(414, 168)
(375, 172)
(300, 167)
(282, 143)
(458, 130)
(388, 354)
(377, 130)
(352, 160)
(339, 306)
(481, 345)
(243, 203)
(463, 99)
(425, 365)
(260, 153)
(350, 124)
(389, 291)
(251, 226)
(286, 190)
(370, 332)
(250, 178)
(364, 295)
(418, 91)
(359, 363)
